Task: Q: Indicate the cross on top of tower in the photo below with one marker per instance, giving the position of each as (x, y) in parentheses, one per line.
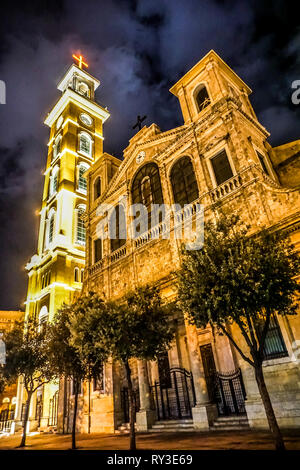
(80, 61)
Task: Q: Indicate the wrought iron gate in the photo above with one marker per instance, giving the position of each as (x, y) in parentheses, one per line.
(6, 418)
(230, 394)
(125, 403)
(175, 399)
(53, 408)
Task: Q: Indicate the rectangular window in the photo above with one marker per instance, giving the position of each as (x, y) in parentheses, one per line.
(263, 163)
(81, 231)
(97, 250)
(274, 344)
(51, 229)
(221, 167)
(98, 382)
(164, 370)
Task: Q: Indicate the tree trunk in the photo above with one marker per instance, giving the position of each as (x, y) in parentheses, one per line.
(259, 375)
(74, 417)
(132, 407)
(23, 441)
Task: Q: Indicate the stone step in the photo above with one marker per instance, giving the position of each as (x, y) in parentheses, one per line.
(225, 419)
(230, 425)
(229, 428)
(170, 425)
(173, 429)
(174, 421)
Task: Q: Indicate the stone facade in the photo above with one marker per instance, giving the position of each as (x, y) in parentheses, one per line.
(262, 187)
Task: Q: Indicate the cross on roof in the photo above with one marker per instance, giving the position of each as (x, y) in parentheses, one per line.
(139, 122)
(80, 61)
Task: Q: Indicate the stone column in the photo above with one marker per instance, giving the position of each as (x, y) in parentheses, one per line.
(146, 416)
(204, 413)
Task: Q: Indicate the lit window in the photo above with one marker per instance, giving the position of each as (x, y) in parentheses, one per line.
(221, 167)
(85, 144)
(84, 89)
(81, 232)
(97, 188)
(54, 181)
(43, 316)
(146, 189)
(82, 184)
(202, 98)
(274, 343)
(56, 148)
(51, 227)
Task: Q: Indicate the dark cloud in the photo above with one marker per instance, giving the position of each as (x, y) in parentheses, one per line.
(138, 49)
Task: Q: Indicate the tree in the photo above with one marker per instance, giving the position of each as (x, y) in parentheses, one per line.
(27, 357)
(2, 379)
(67, 361)
(138, 326)
(243, 280)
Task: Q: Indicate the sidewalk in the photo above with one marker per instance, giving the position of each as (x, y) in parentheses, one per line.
(243, 440)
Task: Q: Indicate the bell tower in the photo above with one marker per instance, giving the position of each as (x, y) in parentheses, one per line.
(56, 271)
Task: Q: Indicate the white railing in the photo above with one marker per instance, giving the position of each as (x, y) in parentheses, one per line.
(119, 253)
(226, 188)
(152, 234)
(96, 267)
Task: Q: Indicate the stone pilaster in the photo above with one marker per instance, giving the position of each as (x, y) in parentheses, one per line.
(203, 412)
(146, 416)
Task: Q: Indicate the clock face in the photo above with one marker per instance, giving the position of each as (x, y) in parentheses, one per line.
(140, 157)
(59, 122)
(86, 119)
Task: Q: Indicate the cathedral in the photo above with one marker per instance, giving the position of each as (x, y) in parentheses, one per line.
(219, 158)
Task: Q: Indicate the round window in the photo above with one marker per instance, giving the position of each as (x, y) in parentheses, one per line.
(86, 119)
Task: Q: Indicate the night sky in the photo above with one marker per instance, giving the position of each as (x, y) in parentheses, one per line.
(138, 49)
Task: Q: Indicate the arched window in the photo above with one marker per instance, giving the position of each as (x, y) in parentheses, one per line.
(97, 188)
(183, 180)
(84, 89)
(76, 274)
(56, 147)
(81, 275)
(85, 144)
(54, 181)
(82, 184)
(80, 229)
(43, 315)
(51, 226)
(117, 228)
(202, 98)
(146, 188)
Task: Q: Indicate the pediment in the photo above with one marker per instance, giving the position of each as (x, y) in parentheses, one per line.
(143, 148)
